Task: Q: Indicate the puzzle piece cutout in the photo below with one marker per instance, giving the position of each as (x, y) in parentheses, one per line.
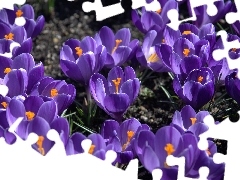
(219, 54)
(116, 9)
(3, 90)
(180, 162)
(174, 16)
(12, 46)
(9, 4)
(232, 159)
(232, 17)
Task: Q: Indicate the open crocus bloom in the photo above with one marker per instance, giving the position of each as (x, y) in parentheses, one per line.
(115, 94)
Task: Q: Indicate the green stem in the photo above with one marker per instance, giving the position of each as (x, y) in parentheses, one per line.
(89, 104)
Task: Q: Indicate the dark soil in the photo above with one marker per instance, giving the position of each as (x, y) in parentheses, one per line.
(67, 20)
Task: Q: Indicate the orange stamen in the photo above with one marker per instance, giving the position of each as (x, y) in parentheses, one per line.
(208, 152)
(186, 32)
(169, 149)
(163, 40)
(7, 70)
(4, 104)
(186, 52)
(117, 83)
(91, 149)
(54, 92)
(40, 145)
(118, 41)
(30, 115)
(130, 134)
(159, 11)
(193, 120)
(9, 36)
(234, 49)
(200, 79)
(19, 13)
(79, 51)
(153, 57)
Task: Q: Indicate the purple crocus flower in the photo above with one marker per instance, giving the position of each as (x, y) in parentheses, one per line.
(147, 56)
(63, 93)
(198, 88)
(33, 28)
(119, 48)
(232, 84)
(24, 61)
(202, 16)
(79, 60)
(236, 25)
(188, 117)
(150, 20)
(115, 94)
(121, 136)
(31, 108)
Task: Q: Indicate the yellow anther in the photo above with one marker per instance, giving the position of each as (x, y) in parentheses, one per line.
(54, 92)
(30, 115)
(4, 104)
(186, 32)
(9, 36)
(169, 149)
(91, 149)
(153, 58)
(118, 41)
(159, 11)
(163, 40)
(40, 145)
(116, 83)
(200, 79)
(193, 120)
(79, 51)
(130, 134)
(19, 13)
(186, 52)
(7, 70)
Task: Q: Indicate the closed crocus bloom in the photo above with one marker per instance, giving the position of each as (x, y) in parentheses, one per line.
(147, 56)
(232, 84)
(31, 108)
(115, 94)
(119, 47)
(62, 93)
(198, 88)
(79, 60)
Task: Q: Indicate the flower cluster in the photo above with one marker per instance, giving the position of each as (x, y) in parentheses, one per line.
(186, 54)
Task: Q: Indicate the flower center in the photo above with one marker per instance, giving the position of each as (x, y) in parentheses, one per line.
(200, 79)
(169, 149)
(153, 58)
(116, 83)
(19, 13)
(118, 41)
(186, 32)
(79, 51)
(193, 120)
(159, 11)
(9, 36)
(130, 134)
(40, 145)
(91, 149)
(54, 92)
(4, 104)
(30, 115)
(7, 70)
(186, 52)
